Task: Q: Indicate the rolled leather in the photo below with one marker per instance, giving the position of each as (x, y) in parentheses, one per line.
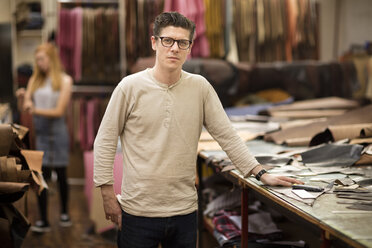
(6, 139)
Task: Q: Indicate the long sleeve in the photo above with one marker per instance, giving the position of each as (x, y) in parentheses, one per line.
(219, 126)
(106, 140)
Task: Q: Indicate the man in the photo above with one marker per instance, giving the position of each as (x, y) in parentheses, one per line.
(158, 114)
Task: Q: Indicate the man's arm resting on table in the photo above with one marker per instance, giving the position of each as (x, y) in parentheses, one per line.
(110, 204)
(268, 179)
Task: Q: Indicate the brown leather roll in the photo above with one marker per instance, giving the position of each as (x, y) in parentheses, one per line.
(6, 139)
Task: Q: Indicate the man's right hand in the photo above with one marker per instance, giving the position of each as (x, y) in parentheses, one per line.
(111, 205)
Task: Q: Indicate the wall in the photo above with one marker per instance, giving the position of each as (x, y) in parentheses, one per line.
(5, 13)
(327, 15)
(355, 23)
(343, 23)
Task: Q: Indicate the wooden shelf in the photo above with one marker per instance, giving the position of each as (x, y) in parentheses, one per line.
(208, 224)
(30, 33)
(89, 1)
(92, 89)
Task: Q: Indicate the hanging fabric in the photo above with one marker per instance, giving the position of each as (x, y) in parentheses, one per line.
(194, 10)
(88, 40)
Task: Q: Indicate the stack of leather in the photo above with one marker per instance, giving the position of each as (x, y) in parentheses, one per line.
(19, 169)
(322, 120)
(363, 197)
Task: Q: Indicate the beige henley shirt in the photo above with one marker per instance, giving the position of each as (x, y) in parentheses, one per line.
(159, 127)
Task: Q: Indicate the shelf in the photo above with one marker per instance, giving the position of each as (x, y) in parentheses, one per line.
(92, 89)
(30, 33)
(208, 224)
(27, 1)
(89, 1)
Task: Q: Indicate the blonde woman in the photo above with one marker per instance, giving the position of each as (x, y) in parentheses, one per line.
(47, 96)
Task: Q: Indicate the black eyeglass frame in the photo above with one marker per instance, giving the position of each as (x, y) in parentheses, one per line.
(174, 40)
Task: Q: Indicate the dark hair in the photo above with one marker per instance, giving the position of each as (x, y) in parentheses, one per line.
(173, 19)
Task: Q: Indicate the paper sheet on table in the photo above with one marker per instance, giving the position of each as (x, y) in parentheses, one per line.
(288, 192)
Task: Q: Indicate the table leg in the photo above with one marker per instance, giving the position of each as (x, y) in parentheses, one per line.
(244, 209)
(326, 241)
(200, 205)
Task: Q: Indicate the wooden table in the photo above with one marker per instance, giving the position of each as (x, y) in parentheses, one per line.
(326, 217)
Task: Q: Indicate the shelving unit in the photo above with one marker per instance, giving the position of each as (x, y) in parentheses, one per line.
(323, 223)
(205, 222)
(25, 41)
(120, 4)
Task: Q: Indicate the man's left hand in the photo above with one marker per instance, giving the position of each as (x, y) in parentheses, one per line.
(273, 180)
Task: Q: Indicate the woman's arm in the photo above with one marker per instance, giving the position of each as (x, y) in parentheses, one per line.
(62, 103)
(27, 101)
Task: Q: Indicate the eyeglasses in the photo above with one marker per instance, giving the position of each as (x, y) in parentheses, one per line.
(168, 42)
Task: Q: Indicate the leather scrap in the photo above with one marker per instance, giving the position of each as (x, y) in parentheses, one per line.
(366, 158)
(20, 130)
(10, 171)
(14, 228)
(34, 159)
(347, 181)
(361, 141)
(319, 103)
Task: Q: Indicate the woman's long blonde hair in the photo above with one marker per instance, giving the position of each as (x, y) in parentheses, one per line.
(55, 68)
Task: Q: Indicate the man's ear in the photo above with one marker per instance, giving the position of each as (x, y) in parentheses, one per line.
(153, 43)
(189, 50)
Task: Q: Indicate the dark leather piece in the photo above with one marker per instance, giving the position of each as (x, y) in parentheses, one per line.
(220, 73)
(302, 80)
(273, 160)
(340, 132)
(332, 155)
(13, 226)
(11, 191)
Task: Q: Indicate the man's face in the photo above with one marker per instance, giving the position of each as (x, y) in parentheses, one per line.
(171, 57)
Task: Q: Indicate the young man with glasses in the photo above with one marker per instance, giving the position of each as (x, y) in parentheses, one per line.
(158, 114)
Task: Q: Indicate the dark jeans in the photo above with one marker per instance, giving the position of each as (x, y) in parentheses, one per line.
(63, 190)
(145, 232)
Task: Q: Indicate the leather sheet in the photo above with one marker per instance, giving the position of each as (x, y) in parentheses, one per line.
(6, 137)
(339, 132)
(332, 155)
(306, 132)
(320, 104)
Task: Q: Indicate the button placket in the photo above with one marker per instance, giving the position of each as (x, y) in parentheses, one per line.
(168, 105)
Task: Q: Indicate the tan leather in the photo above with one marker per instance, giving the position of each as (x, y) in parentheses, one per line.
(21, 131)
(34, 159)
(6, 137)
(10, 171)
(12, 187)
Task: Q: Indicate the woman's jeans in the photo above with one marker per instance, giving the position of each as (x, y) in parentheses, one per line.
(148, 232)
